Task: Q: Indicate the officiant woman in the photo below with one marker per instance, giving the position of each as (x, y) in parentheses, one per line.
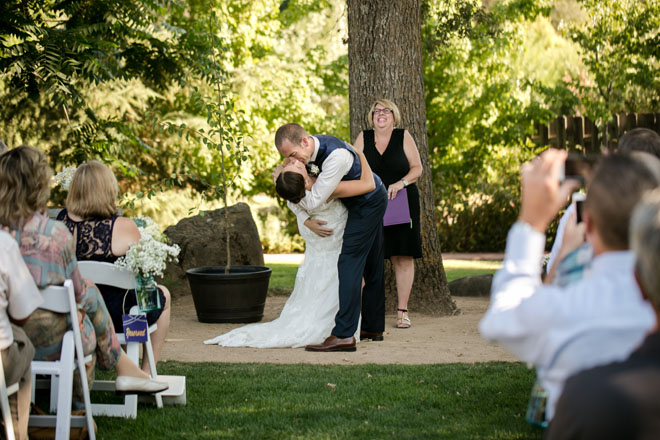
(392, 154)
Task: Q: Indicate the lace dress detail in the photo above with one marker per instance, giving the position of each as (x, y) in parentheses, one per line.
(309, 314)
(93, 237)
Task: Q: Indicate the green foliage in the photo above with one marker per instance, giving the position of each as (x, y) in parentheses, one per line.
(55, 52)
(620, 47)
(268, 401)
(481, 107)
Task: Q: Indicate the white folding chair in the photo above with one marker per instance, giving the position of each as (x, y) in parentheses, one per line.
(110, 275)
(5, 392)
(61, 299)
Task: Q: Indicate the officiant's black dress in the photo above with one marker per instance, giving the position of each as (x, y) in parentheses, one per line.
(391, 166)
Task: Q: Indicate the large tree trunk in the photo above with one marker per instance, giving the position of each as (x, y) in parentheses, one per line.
(385, 61)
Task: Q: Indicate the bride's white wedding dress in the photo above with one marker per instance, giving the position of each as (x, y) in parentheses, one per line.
(309, 314)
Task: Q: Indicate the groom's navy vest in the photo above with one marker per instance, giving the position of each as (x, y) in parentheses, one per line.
(328, 144)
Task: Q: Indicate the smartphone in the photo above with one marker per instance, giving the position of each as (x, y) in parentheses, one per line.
(577, 167)
(578, 198)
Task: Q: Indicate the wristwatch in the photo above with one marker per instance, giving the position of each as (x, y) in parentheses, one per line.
(405, 182)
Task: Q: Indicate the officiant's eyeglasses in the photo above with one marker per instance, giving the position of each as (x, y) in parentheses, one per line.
(382, 111)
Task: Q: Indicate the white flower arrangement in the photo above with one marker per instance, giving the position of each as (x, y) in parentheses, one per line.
(63, 178)
(148, 257)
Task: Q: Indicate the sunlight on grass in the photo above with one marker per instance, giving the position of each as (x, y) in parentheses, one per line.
(285, 268)
(472, 264)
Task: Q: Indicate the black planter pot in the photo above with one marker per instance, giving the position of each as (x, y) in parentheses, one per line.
(236, 297)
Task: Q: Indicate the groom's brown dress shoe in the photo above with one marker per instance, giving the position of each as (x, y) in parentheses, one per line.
(333, 343)
(374, 336)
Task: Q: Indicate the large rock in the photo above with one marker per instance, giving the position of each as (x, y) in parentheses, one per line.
(473, 285)
(203, 243)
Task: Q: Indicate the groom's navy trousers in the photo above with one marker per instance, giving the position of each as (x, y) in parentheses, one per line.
(362, 254)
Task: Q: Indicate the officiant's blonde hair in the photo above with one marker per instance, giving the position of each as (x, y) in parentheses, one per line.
(387, 104)
(93, 191)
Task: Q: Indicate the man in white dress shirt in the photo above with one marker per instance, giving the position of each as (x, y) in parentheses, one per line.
(595, 321)
(19, 297)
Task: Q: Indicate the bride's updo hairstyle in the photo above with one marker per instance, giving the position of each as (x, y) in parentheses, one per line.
(290, 186)
(93, 191)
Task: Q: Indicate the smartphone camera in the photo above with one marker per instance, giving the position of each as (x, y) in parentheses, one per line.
(578, 198)
(577, 167)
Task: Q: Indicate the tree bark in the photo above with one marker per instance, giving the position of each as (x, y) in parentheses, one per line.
(385, 61)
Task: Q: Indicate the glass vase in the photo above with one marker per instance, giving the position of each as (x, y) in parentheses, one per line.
(148, 298)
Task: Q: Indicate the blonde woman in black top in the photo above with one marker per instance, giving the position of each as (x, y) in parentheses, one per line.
(392, 154)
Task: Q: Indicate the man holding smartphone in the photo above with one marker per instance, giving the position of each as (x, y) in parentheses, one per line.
(597, 320)
(562, 272)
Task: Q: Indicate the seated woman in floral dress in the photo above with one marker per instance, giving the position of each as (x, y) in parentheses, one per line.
(102, 235)
(48, 250)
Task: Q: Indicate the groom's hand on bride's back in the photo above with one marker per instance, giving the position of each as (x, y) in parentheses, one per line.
(316, 226)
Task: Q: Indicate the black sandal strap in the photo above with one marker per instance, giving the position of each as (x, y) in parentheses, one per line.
(402, 310)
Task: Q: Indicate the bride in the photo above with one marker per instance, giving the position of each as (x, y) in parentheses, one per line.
(309, 314)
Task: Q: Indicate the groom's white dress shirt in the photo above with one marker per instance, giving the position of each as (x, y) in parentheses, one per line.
(335, 167)
(595, 321)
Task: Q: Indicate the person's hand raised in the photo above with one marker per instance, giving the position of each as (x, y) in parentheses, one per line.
(542, 193)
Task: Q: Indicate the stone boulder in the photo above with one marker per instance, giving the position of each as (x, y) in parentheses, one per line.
(473, 285)
(203, 243)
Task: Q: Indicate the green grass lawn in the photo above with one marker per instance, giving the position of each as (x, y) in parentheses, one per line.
(269, 401)
(284, 274)
(456, 269)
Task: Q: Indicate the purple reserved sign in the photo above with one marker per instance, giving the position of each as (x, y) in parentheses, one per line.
(135, 327)
(397, 211)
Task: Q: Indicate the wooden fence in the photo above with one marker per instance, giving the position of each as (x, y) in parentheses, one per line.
(580, 133)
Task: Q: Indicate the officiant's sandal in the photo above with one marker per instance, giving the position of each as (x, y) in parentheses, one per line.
(403, 321)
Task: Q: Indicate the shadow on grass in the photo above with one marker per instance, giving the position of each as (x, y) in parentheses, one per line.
(270, 401)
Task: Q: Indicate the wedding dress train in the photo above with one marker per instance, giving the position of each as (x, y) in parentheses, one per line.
(309, 314)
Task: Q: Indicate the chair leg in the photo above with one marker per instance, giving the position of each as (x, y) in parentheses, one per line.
(54, 392)
(63, 424)
(6, 409)
(149, 352)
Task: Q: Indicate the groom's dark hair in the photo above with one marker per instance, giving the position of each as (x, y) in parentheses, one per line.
(290, 186)
(292, 132)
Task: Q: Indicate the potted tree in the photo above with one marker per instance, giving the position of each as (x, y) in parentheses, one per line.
(228, 293)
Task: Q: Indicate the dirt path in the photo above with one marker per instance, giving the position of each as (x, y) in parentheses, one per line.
(429, 340)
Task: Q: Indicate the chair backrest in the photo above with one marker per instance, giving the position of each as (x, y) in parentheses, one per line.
(107, 274)
(59, 299)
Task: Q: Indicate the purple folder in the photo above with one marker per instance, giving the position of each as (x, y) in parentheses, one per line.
(397, 211)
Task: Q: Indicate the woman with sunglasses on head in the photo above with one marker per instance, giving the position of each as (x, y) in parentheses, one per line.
(392, 154)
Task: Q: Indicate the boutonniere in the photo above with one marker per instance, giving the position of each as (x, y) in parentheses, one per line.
(313, 170)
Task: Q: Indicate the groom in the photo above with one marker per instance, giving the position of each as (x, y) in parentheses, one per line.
(362, 252)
